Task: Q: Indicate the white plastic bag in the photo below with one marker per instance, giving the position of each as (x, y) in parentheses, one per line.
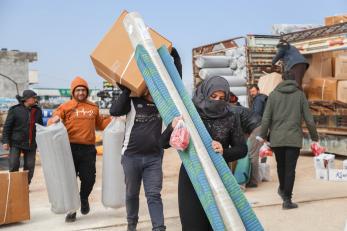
(264, 170)
(58, 168)
(113, 185)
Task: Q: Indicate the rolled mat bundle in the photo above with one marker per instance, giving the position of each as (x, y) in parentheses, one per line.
(239, 90)
(224, 203)
(210, 72)
(235, 81)
(113, 186)
(212, 61)
(58, 167)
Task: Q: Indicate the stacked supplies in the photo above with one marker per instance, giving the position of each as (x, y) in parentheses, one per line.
(231, 66)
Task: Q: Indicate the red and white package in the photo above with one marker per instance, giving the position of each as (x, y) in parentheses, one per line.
(317, 149)
(180, 136)
(265, 151)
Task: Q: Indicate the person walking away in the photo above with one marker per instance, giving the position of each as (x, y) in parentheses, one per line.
(81, 119)
(294, 62)
(285, 109)
(211, 101)
(19, 132)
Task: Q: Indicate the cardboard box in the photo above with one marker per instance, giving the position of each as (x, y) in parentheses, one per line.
(338, 174)
(322, 89)
(320, 66)
(341, 67)
(344, 164)
(342, 91)
(332, 20)
(114, 61)
(14, 197)
(324, 161)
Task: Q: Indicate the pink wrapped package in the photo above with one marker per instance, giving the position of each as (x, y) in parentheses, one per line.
(180, 136)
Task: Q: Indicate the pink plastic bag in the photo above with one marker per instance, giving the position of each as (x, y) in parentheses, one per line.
(317, 149)
(180, 136)
(265, 151)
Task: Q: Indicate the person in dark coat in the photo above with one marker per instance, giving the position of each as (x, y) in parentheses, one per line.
(20, 132)
(259, 100)
(287, 106)
(250, 124)
(211, 101)
(294, 62)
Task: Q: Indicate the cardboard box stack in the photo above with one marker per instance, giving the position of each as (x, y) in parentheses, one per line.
(14, 197)
(114, 59)
(325, 168)
(326, 78)
(332, 20)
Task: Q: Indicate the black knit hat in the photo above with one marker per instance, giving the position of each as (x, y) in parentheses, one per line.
(28, 94)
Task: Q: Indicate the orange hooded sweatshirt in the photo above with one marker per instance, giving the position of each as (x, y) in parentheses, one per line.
(81, 119)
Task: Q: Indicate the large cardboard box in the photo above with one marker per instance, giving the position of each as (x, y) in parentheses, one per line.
(340, 67)
(320, 66)
(322, 89)
(332, 20)
(14, 197)
(113, 58)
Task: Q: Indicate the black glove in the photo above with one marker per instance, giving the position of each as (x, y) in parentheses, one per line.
(177, 60)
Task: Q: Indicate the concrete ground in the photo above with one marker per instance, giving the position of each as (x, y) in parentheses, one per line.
(322, 204)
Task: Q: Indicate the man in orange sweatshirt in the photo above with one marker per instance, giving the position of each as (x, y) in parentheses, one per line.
(81, 118)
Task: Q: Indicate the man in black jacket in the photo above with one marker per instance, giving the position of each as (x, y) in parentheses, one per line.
(19, 132)
(259, 100)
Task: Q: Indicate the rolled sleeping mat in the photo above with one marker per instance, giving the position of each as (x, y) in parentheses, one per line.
(235, 81)
(113, 186)
(239, 90)
(233, 64)
(58, 167)
(210, 72)
(212, 61)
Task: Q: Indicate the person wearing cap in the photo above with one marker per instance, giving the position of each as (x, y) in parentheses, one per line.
(20, 131)
(81, 118)
(294, 62)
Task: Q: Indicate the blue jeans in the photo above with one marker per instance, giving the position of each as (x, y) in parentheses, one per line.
(146, 168)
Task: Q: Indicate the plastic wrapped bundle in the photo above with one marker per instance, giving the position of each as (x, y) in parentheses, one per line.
(233, 64)
(212, 61)
(235, 81)
(113, 186)
(278, 29)
(58, 168)
(239, 90)
(243, 100)
(210, 72)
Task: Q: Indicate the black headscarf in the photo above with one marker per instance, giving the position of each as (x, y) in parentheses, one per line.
(208, 108)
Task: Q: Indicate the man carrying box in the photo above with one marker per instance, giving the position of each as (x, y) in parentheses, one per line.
(81, 118)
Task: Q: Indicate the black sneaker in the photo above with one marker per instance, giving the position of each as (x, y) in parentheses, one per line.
(280, 193)
(288, 204)
(251, 185)
(131, 227)
(70, 217)
(85, 206)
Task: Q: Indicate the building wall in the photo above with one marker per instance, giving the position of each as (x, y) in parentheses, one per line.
(15, 64)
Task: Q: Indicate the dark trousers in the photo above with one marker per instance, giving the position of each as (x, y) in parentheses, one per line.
(84, 157)
(286, 158)
(192, 214)
(298, 70)
(146, 168)
(29, 161)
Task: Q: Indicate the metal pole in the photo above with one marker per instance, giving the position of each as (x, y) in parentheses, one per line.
(5, 76)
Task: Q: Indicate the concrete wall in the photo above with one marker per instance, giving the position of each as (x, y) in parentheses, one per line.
(15, 64)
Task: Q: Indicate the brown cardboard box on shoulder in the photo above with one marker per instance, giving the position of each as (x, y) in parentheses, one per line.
(114, 61)
(14, 197)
